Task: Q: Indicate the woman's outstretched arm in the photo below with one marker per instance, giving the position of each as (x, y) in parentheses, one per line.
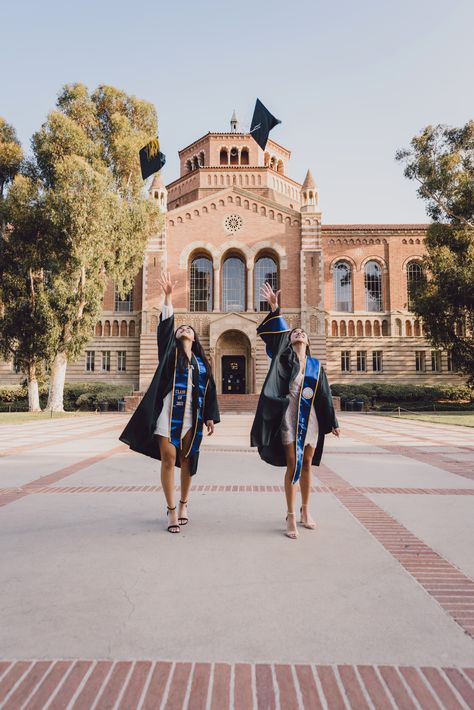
(274, 327)
(165, 332)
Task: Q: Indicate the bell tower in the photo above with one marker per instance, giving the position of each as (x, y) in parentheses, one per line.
(312, 267)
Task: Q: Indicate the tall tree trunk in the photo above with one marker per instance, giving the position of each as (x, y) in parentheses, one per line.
(33, 391)
(56, 384)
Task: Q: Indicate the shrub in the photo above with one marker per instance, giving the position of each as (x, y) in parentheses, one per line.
(394, 393)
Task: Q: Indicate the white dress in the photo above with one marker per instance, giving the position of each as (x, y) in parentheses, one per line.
(288, 426)
(163, 423)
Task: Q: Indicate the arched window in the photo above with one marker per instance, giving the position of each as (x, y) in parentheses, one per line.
(377, 329)
(115, 328)
(233, 284)
(201, 159)
(98, 329)
(201, 284)
(107, 328)
(131, 329)
(123, 328)
(224, 157)
(343, 329)
(234, 156)
(244, 156)
(351, 329)
(368, 329)
(373, 286)
(189, 166)
(342, 279)
(385, 327)
(360, 329)
(408, 328)
(398, 327)
(265, 270)
(334, 330)
(414, 276)
(417, 329)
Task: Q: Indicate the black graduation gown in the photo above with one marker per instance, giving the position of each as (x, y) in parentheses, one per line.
(274, 398)
(139, 432)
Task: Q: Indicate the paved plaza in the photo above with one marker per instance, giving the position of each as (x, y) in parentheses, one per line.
(102, 608)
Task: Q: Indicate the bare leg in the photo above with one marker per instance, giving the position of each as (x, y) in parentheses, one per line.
(305, 487)
(290, 491)
(185, 474)
(168, 459)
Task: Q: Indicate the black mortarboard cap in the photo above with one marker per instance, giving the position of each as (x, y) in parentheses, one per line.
(262, 123)
(151, 160)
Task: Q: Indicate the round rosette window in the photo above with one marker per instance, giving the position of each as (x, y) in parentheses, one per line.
(233, 222)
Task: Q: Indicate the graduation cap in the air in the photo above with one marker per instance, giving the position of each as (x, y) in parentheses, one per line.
(262, 123)
(151, 160)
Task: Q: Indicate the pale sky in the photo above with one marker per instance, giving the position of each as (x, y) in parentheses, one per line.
(351, 81)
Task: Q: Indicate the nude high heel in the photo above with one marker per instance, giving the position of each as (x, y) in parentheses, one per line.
(309, 526)
(293, 534)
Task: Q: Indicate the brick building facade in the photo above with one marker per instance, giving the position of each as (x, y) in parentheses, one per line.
(235, 218)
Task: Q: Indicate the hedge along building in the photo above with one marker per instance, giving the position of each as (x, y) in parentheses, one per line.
(234, 219)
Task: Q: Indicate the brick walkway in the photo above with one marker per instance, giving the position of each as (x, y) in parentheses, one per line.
(57, 684)
(381, 606)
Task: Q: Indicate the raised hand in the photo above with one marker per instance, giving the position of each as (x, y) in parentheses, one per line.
(269, 295)
(167, 285)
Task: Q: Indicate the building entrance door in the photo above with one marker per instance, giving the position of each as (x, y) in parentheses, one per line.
(233, 374)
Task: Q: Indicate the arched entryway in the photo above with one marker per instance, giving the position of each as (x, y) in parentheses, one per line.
(234, 367)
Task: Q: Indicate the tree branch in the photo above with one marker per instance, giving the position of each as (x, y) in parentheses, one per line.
(441, 204)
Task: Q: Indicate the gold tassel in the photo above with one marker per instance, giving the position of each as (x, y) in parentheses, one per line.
(152, 148)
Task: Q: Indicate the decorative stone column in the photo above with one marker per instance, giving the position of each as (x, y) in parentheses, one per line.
(217, 289)
(250, 287)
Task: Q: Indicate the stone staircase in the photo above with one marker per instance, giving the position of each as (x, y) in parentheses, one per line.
(237, 403)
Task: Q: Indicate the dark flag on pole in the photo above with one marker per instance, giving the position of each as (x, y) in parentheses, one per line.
(262, 123)
(151, 160)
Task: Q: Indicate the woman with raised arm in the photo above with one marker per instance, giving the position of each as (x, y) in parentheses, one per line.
(168, 422)
(295, 410)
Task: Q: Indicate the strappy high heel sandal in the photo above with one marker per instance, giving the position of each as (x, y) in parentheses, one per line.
(292, 534)
(304, 523)
(183, 521)
(174, 527)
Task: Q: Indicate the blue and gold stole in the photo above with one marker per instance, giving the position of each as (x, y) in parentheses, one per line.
(305, 405)
(180, 389)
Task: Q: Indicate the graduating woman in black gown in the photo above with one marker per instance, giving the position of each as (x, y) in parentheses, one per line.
(295, 410)
(168, 422)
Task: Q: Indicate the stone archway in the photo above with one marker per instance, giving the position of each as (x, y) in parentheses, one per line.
(234, 363)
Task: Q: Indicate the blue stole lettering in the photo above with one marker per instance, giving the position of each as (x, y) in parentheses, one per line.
(180, 393)
(307, 395)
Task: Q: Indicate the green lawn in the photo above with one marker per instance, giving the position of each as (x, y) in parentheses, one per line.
(20, 417)
(459, 418)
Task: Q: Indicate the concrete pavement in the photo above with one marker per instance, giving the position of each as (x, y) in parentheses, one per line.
(231, 610)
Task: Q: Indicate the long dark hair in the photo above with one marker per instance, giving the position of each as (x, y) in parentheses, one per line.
(308, 351)
(183, 360)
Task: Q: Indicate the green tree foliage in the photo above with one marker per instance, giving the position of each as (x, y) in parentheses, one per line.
(28, 329)
(441, 161)
(11, 155)
(86, 156)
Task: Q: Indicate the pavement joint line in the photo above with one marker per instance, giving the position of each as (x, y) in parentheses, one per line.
(54, 442)
(401, 422)
(455, 467)
(58, 475)
(412, 553)
(149, 683)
